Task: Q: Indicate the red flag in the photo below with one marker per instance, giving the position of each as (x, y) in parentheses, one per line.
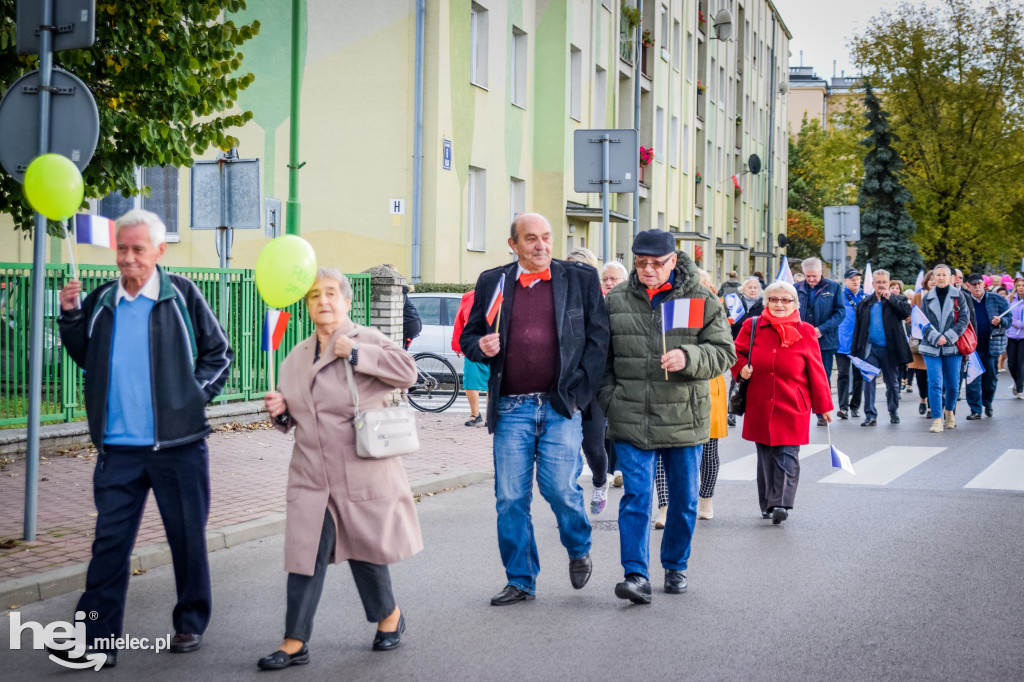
(496, 299)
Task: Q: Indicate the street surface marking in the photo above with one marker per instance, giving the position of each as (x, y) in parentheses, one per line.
(1006, 473)
(745, 468)
(884, 466)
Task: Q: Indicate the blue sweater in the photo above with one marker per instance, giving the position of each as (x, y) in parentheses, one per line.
(130, 394)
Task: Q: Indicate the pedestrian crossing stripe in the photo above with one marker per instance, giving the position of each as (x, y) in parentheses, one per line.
(885, 466)
(745, 468)
(1006, 473)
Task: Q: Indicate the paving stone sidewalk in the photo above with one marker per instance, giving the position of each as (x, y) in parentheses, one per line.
(248, 474)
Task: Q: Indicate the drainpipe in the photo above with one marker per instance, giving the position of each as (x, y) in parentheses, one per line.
(293, 209)
(771, 148)
(417, 148)
(637, 46)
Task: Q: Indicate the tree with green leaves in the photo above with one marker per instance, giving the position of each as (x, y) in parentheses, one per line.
(885, 224)
(163, 73)
(806, 234)
(953, 80)
(825, 163)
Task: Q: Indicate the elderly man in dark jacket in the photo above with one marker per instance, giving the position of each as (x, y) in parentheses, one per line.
(880, 340)
(669, 337)
(154, 355)
(821, 305)
(545, 349)
(991, 329)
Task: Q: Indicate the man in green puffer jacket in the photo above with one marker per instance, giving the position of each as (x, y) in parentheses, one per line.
(656, 395)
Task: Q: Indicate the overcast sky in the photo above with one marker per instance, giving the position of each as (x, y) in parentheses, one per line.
(823, 28)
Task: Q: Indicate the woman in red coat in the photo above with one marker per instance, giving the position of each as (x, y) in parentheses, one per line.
(787, 383)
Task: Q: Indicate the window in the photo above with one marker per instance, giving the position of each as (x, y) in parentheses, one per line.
(661, 221)
(518, 76)
(576, 82)
(686, 148)
(719, 169)
(709, 165)
(659, 134)
(664, 27)
(673, 142)
(712, 83)
(476, 192)
(429, 308)
(478, 45)
(721, 87)
(677, 31)
(516, 198)
(689, 56)
(600, 98)
(162, 200)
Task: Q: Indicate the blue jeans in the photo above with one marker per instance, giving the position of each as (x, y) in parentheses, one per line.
(981, 391)
(943, 382)
(530, 432)
(682, 471)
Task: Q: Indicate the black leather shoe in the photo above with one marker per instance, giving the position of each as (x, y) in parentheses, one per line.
(184, 643)
(779, 515)
(510, 595)
(842, 414)
(922, 409)
(580, 570)
(894, 418)
(675, 582)
(854, 412)
(65, 655)
(869, 422)
(821, 421)
(386, 641)
(973, 416)
(732, 420)
(988, 411)
(766, 515)
(635, 588)
(280, 659)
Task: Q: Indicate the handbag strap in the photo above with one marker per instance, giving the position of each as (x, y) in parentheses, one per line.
(753, 332)
(349, 374)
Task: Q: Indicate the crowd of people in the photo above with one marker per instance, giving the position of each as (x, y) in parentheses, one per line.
(627, 367)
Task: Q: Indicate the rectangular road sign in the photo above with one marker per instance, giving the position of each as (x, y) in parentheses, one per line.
(623, 160)
(842, 223)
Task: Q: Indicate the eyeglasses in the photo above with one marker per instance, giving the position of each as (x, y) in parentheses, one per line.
(643, 264)
(611, 279)
(783, 301)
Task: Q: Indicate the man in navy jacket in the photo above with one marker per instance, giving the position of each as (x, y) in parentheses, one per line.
(546, 349)
(821, 305)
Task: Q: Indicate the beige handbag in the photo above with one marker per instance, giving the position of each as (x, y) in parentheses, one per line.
(385, 431)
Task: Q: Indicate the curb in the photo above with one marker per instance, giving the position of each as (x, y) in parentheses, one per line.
(21, 591)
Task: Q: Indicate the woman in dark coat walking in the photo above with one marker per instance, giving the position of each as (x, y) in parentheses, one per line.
(787, 383)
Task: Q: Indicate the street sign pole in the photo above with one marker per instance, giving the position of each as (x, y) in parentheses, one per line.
(606, 180)
(35, 367)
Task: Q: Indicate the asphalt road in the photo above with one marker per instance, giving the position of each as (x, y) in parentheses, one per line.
(918, 578)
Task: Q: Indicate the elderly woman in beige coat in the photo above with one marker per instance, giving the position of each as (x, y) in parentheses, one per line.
(340, 507)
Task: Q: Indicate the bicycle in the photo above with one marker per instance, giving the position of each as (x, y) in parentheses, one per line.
(437, 383)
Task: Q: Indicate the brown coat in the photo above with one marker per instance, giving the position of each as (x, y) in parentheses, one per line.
(918, 361)
(370, 500)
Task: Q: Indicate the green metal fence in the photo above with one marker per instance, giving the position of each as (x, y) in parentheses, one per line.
(62, 389)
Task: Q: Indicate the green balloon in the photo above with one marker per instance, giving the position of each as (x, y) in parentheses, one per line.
(54, 187)
(285, 270)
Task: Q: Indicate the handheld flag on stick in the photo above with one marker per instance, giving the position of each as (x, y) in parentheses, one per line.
(918, 322)
(919, 284)
(680, 313)
(1010, 309)
(866, 368)
(735, 306)
(274, 325)
(785, 274)
(840, 460)
(95, 230)
(867, 275)
(494, 307)
(975, 368)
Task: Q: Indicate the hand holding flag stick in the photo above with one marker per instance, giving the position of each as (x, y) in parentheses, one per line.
(275, 322)
(1010, 309)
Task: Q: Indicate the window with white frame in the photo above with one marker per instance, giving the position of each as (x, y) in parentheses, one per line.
(720, 169)
(518, 76)
(689, 56)
(600, 98)
(575, 82)
(659, 134)
(476, 209)
(686, 148)
(661, 221)
(677, 32)
(516, 198)
(709, 162)
(478, 45)
(162, 199)
(713, 84)
(721, 87)
(673, 142)
(664, 27)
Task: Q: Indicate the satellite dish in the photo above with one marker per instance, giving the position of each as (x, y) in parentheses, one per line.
(723, 25)
(783, 88)
(783, 240)
(754, 164)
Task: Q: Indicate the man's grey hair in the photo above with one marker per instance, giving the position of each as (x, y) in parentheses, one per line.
(583, 255)
(337, 276)
(780, 285)
(515, 223)
(942, 265)
(140, 216)
(813, 264)
(616, 265)
(880, 271)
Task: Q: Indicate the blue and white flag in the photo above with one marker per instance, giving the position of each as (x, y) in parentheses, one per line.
(840, 460)
(867, 276)
(918, 322)
(734, 304)
(785, 274)
(866, 368)
(919, 284)
(975, 368)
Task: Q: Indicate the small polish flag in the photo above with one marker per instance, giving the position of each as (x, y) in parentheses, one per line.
(840, 460)
(682, 313)
(496, 299)
(95, 230)
(274, 325)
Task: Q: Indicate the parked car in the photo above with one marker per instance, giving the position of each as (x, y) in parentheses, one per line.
(437, 313)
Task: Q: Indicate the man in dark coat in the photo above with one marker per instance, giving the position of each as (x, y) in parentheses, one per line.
(991, 326)
(880, 340)
(821, 306)
(546, 349)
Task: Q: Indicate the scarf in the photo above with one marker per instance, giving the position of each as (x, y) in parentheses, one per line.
(749, 303)
(785, 326)
(651, 293)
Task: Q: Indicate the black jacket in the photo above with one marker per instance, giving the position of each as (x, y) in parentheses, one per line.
(190, 358)
(895, 310)
(582, 333)
(752, 311)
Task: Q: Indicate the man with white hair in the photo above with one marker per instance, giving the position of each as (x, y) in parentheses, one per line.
(154, 355)
(822, 307)
(613, 274)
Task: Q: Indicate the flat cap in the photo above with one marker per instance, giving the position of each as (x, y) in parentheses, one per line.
(975, 277)
(654, 243)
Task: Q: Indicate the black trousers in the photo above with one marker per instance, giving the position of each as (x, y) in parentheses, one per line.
(373, 582)
(594, 445)
(879, 357)
(1015, 362)
(778, 474)
(850, 383)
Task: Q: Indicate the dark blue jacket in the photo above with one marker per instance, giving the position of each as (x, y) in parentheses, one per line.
(825, 311)
(582, 334)
(995, 305)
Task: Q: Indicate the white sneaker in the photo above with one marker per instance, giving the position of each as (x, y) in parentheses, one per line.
(662, 515)
(704, 509)
(599, 499)
(936, 426)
